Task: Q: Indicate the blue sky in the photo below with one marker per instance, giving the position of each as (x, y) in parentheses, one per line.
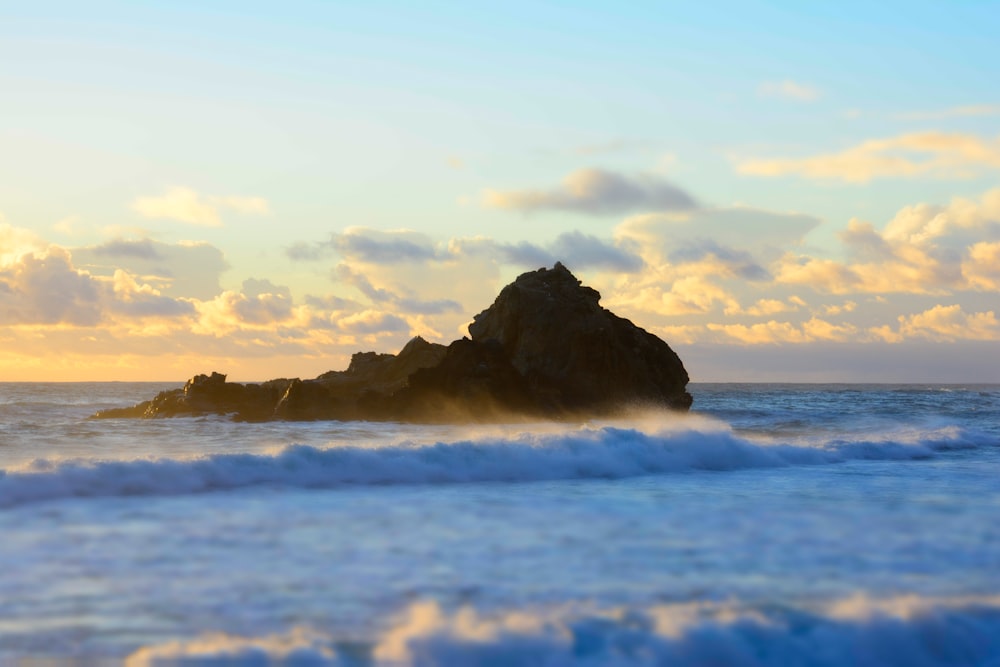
(262, 189)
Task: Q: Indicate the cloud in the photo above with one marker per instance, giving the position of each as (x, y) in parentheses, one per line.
(763, 308)
(789, 90)
(378, 247)
(589, 252)
(387, 248)
(140, 249)
(738, 262)
(372, 246)
(186, 269)
(382, 296)
(303, 251)
(963, 219)
(774, 332)
(840, 308)
(46, 289)
(982, 266)
(259, 304)
(577, 250)
(139, 300)
(761, 333)
(253, 287)
(950, 323)
(373, 322)
(752, 234)
(934, 154)
(673, 293)
(16, 242)
(864, 241)
(186, 205)
(924, 249)
(596, 192)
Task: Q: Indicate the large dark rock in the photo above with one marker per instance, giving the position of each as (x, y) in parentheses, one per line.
(574, 354)
(545, 348)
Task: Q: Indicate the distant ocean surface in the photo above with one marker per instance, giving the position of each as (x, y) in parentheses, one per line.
(774, 525)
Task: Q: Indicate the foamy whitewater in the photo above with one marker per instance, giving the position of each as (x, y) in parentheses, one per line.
(774, 525)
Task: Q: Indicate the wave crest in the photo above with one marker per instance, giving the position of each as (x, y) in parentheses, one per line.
(592, 453)
(909, 632)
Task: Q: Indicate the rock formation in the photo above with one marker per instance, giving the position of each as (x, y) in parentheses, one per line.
(545, 348)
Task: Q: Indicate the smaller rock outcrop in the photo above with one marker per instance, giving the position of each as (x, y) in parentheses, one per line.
(544, 349)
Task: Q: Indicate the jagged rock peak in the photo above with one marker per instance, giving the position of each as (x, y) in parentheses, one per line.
(575, 352)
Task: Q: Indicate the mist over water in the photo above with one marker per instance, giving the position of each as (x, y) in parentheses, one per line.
(776, 524)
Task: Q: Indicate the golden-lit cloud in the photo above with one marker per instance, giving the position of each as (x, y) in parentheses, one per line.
(924, 223)
(775, 332)
(763, 308)
(936, 154)
(982, 266)
(924, 249)
(16, 242)
(187, 205)
(761, 333)
(713, 276)
(950, 323)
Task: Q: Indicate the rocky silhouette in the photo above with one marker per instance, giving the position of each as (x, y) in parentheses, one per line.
(544, 349)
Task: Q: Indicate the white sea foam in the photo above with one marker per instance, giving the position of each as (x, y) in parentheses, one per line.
(587, 453)
(909, 631)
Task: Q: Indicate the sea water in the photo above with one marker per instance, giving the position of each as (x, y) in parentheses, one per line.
(773, 525)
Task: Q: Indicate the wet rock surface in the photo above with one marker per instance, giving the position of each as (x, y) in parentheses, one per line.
(544, 349)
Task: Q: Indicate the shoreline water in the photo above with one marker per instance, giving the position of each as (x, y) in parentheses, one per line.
(825, 524)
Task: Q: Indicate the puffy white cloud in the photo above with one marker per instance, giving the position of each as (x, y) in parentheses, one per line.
(936, 154)
(962, 220)
(258, 304)
(596, 192)
(46, 289)
(187, 205)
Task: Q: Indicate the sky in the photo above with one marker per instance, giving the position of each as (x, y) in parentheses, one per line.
(781, 191)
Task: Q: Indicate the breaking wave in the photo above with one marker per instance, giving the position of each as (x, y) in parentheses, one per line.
(906, 632)
(591, 453)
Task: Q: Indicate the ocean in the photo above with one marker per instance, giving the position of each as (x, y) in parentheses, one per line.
(773, 525)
